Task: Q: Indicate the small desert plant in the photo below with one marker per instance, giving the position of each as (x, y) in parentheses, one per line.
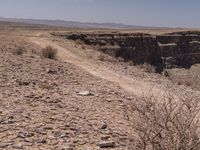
(169, 124)
(102, 57)
(79, 42)
(83, 46)
(19, 51)
(49, 52)
(148, 68)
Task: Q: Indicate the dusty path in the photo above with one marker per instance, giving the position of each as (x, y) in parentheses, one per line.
(138, 88)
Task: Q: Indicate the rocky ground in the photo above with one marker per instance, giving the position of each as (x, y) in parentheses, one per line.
(52, 104)
(48, 104)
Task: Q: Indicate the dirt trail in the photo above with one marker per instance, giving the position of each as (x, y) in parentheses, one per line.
(137, 87)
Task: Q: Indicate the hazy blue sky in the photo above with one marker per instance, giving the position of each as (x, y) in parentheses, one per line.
(176, 13)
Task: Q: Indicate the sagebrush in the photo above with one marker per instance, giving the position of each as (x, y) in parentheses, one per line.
(167, 124)
(49, 52)
(19, 51)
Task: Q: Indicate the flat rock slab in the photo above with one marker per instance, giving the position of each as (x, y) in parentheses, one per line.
(109, 144)
(85, 93)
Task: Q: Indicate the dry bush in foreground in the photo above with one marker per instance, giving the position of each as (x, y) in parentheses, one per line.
(167, 125)
(49, 52)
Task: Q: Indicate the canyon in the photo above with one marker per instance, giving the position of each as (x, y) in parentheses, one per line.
(78, 101)
(164, 51)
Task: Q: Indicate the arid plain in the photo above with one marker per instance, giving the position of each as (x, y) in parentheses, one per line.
(103, 89)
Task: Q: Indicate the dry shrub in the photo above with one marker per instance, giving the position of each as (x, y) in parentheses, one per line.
(102, 57)
(33, 51)
(148, 68)
(167, 125)
(19, 51)
(83, 46)
(79, 42)
(49, 52)
(189, 77)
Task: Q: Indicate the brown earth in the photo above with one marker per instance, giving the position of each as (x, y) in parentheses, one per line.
(43, 105)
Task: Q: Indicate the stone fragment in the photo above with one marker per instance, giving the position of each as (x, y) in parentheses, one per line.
(17, 146)
(104, 138)
(22, 134)
(4, 145)
(23, 83)
(50, 71)
(85, 93)
(42, 131)
(104, 125)
(42, 141)
(105, 144)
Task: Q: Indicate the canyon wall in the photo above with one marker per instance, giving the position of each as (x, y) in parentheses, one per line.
(163, 51)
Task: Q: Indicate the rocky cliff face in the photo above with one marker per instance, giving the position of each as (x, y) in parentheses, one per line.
(164, 51)
(180, 49)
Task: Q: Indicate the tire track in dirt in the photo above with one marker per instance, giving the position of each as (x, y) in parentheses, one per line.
(137, 87)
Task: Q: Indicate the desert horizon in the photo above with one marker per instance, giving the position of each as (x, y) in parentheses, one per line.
(94, 83)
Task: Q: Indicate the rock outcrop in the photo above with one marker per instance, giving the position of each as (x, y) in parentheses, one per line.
(181, 49)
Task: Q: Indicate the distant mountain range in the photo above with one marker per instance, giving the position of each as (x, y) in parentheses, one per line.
(72, 24)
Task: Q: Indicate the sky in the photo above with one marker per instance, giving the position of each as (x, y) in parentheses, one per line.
(162, 13)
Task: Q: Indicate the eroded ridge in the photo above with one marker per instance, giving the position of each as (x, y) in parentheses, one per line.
(180, 49)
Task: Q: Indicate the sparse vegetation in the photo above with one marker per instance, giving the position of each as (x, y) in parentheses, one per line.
(19, 51)
(79, 42)
(102, 57)
(51, 97)
(148, 68)
(49, 52)
(83, 46)
(189, 77)
(167, 124)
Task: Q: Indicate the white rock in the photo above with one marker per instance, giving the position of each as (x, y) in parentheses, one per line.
(84, 93)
